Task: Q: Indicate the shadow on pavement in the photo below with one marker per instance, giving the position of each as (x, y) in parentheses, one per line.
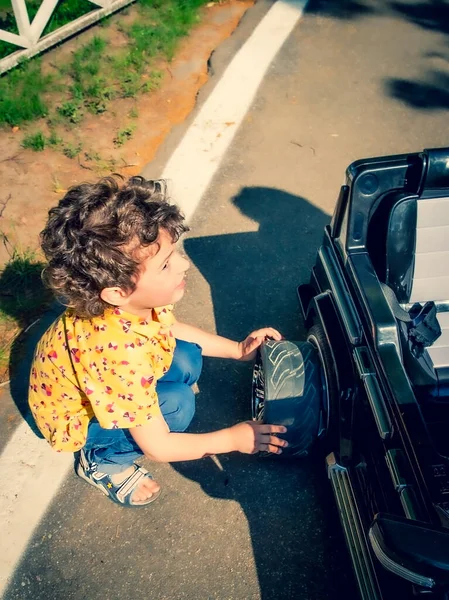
(30, 305)
(430, 95)
(340, 9)
(20, 360)
(253, 277)
(432, 91)
(433, 14)
(20, 363)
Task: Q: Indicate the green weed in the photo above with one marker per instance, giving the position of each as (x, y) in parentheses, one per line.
(77, 91)
(71, 110)
(54, 139)
(86, 60)
(130, 84)
(154, 82)
(123, 135)
(92, 156)
(72, 150)
(21, 93)
(163, 24)
(35, 141)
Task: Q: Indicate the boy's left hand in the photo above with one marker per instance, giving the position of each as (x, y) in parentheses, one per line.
(248, 348)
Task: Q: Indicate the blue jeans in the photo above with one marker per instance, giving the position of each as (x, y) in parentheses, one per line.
(114, 450)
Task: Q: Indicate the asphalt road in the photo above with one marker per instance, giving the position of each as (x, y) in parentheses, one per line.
(352, 80)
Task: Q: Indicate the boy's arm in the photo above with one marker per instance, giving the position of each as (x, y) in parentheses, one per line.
(158, 444)
(221, 347)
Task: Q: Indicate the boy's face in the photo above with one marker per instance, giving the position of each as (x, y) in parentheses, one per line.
(161, 280)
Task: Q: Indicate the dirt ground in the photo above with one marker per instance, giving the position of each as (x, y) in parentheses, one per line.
(33, 182)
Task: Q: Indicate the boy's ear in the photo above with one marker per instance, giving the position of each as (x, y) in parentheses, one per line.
(114, 295)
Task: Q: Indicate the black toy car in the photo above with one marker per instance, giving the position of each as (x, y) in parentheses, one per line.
(370, 386)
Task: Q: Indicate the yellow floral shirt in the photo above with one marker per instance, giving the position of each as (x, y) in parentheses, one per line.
(105, 367)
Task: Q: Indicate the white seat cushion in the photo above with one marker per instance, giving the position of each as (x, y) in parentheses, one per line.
(431, 272)
(439, 350)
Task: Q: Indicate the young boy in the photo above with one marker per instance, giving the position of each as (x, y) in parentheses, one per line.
(112, 377)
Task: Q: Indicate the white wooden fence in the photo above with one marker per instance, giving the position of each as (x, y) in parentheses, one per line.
(29, 40)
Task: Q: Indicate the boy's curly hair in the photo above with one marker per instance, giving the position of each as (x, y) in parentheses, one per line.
(93, 237)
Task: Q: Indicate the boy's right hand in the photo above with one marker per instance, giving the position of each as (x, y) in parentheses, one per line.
(250, 437)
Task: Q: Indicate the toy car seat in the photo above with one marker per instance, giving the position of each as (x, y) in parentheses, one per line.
(415, 251)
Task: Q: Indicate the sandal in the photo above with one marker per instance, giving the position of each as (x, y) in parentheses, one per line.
(120, 493)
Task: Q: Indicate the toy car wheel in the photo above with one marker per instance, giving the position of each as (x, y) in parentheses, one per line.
(287, 389)
(329, 384)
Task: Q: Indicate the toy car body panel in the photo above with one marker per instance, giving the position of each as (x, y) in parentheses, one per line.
(379, 292)
(395, 457)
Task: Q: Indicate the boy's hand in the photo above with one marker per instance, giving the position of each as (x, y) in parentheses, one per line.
(247, 349)
(250, 437)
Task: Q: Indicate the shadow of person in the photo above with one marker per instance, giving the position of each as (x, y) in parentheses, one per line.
(253, 278)
(253, 275)
(429, 94)
(433, 15)
(431, 90)
(340, 9)
(25, 299)
(21, 357)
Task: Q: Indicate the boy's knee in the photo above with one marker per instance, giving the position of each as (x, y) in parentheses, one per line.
(189, 360)
(186, 410)
(177, 403)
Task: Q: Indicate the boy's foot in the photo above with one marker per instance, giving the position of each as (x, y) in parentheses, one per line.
(143, 491)
(133, 487)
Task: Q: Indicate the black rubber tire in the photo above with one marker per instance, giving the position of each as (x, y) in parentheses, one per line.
(286, 391)
(329, 384)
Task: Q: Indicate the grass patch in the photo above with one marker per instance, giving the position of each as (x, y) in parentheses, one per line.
(123, 135)
(86, 61)
(38, 142)
(162, 25)
(71, 110)
(21, 94)
(35, 141)
(92, 156)
(54, 140)
(72, 150)
(96, 74)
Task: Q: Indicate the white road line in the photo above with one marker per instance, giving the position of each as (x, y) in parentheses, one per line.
(199, 154)
(30, 472)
